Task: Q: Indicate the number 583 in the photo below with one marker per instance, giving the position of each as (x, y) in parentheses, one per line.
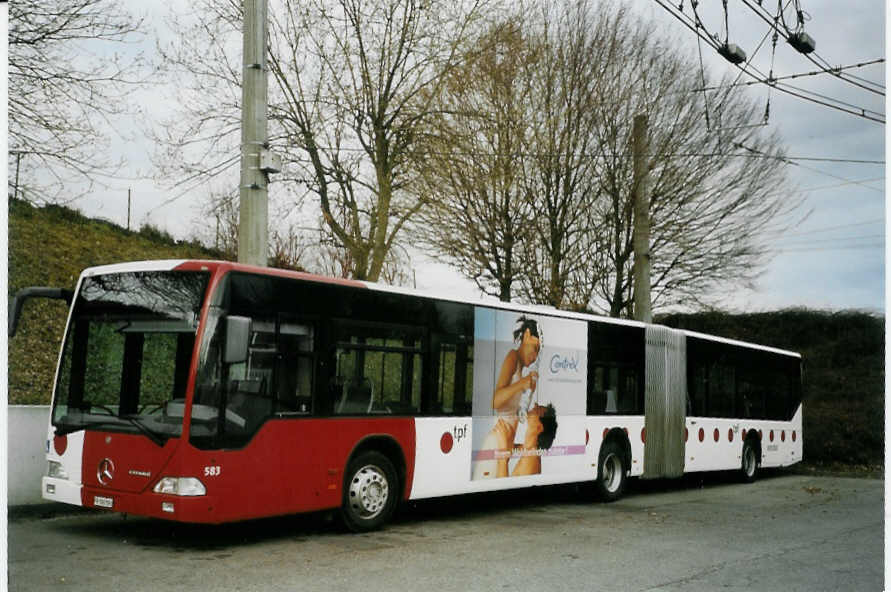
(212, 471)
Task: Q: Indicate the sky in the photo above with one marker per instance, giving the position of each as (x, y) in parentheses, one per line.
(834, 259)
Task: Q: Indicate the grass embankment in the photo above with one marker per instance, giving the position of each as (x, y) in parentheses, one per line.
(50, 246)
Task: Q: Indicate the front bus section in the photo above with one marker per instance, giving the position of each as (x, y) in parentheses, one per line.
(118, 407)
(212, 393)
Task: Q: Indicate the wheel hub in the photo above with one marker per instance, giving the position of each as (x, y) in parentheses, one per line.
(749, 461)
(611, 472)
(369, 491)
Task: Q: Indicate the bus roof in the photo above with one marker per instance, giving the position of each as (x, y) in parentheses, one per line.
(213, 265)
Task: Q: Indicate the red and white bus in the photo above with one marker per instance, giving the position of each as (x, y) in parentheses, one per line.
(212, 392)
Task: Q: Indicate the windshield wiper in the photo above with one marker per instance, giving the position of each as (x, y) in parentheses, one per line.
(152, 435)
(67, 428)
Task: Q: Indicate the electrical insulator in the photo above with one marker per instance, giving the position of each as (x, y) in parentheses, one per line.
(732, 53)
(802, 42)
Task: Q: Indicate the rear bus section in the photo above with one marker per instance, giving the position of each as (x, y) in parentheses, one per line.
(744, 406)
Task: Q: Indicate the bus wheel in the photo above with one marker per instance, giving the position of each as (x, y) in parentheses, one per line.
(611, 471)
(370, 492)
(749, 469)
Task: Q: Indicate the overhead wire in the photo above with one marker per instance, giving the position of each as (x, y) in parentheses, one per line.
(760, 77)
(793, 76)
(829, 68)
(854, 76)
(809, 190)
(543, 154)
(798, 164)
(200, 177)
(708, 124)
(877, 245)
(834, 228)
(840, 239)
(748, 62)
(759, 10)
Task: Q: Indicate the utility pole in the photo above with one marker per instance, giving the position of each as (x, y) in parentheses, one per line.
(253, 204)
(128, 208)
(641, 237)
(18, 164)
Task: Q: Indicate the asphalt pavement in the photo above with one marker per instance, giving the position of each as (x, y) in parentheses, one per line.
(785, 532)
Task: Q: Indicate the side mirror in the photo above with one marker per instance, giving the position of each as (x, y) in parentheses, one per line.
(15, 305)
(238, 334)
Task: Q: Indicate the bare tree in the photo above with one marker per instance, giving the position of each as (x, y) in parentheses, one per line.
(289, 249)
(352, 94)
(64, 85)
(218, 224)
(511, 182)
(579, 38)
(711, 201)
(477, 216)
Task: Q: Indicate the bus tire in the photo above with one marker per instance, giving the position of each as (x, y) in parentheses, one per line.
(370, 492)
(611, 472)
(749, 465)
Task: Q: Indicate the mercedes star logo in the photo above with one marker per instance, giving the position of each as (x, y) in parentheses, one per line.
(106, 471)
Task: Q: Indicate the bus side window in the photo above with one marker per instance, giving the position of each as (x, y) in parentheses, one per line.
(378, 369)
(454, 376)
(750, 387)
(779, 394)
(294, 368)
(445, 379)
(614, 390)
(278, 374)
(248, 396)
(697, 388)
(629, 401)
(722, 389)
(597, 395)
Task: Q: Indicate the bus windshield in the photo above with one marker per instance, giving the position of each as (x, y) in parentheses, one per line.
(127, 353)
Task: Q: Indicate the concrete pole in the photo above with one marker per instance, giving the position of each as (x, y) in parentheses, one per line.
(641, 238)
(253, 204)
(18, 164)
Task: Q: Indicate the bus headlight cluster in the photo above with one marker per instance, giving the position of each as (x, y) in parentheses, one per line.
(184, 486)
(55, 470)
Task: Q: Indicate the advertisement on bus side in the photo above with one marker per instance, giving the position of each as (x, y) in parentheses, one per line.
(529, 390)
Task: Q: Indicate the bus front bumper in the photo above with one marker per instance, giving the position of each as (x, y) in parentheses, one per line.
(199, 509)
(60, 490)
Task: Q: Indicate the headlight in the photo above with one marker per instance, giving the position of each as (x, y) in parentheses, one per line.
(56, 470)
(186, 486)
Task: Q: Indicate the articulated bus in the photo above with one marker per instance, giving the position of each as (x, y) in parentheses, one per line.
(210, 392)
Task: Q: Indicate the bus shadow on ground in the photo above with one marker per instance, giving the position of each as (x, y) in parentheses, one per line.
(180, 537)
(581, 494)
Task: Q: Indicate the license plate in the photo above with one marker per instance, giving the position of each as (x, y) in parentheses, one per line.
(102, 502)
